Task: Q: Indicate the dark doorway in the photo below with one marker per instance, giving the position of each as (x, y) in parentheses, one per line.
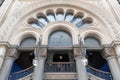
(61, 58)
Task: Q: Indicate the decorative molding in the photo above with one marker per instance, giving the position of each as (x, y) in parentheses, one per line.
(79, 52)
(12, 21)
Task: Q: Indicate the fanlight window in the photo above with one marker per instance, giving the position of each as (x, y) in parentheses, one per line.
(92, 42)
(1, 2)
(30, 41)
(77, 19)
(60, 38)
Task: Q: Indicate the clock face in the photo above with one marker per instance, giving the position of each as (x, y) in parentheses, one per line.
(60, 38)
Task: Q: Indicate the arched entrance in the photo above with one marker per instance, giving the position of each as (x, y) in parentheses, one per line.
(60, 54)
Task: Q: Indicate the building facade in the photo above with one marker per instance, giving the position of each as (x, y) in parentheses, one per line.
(59, 40)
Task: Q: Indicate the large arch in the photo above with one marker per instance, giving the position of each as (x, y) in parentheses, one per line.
(36, 6)
(17, 38)
(61, 26)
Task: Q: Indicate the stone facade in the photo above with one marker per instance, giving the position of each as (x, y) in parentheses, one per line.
(14, 27)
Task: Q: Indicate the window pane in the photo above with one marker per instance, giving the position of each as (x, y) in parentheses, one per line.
(34, 24)
(60, 38)
(51, 17)
(59, 16)
(76, 20)
(68, 16)
(28, 42)
(92, 42)
(43, 20)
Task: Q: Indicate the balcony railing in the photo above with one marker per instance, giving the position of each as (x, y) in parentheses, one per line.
(21, 74)
(98, 73)
(60, 67)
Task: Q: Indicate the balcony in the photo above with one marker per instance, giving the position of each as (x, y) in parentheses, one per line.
(61, 70)
(60, 67)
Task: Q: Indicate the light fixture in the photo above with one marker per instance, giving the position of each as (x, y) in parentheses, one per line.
(85, 61)
(35, 62)
(60, 57)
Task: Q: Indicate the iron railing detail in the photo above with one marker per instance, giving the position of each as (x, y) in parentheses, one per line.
(21, 74)
(60, 67)
(100, 74)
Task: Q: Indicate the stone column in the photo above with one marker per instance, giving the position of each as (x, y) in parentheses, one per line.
(3, 48)
(116, 46)
(80, 64)
(40, 61)
(39, 69)
(110, 56)
(7, 65)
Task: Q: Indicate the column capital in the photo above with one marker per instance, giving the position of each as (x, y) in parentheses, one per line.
(108, 52)
(12, 52)
(79, 52)
(41, 51)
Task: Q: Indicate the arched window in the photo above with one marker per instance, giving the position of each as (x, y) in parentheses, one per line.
(92, 42)
(29, 41)
(1, 2)
(60, 38)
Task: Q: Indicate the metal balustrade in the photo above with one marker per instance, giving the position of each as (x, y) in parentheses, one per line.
(21, 74)
(60, 67)
(98, 73)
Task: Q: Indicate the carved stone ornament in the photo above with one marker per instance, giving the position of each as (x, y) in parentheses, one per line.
(40, 52)
(108, 52)
(79, 52)
(12, 52)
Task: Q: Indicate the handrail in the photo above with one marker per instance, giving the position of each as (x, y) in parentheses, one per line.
(98, 73)
(21, 74)
(22, 70)
(98, 70)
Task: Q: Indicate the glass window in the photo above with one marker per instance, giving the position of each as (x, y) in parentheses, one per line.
(50, 17)
(59, 16)
(76, 20)
(60, 38)
(28, 42)
(68, 17)
(1, 2)
(43, 20)
(83, 24)
(92, 42)
(35, 24)
(118, 1)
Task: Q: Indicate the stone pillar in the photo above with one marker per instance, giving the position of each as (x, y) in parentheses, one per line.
(39, 69)
(80, 64)
(7, 65)
(117, 51)
(40, 61)
(110, 56)
(3, 48)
